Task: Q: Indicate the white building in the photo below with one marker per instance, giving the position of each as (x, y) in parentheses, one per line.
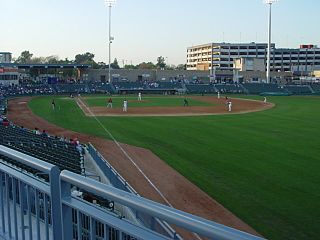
(8, 75)
(222, 56)
(5, 57)
(249, 64)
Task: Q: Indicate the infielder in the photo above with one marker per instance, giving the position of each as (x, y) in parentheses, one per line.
(229, 106)
(125, 106)
(109, 103)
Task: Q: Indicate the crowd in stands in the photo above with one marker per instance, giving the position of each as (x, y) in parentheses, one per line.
(194, 86)
(3, 105)
(60, 151)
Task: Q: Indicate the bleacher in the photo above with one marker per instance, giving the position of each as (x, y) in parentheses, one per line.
(50, 149)
(316, 88)
(298, 89)
(3, 105)
(165, 85)
(100, 87)
(71, 88)
(154, 88)
(26, 89)
(201, 88)
(257, 88)
(129, 86)
(229, 88)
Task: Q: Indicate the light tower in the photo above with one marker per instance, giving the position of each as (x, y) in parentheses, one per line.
(110, 3)
(269, 2)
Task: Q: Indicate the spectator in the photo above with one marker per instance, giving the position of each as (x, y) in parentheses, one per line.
(5, 122)
(44, 133)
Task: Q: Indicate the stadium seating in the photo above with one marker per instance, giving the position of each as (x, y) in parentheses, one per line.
(71, 88)
(100, 87)
(165, 85)
(298, 90)
(153, 87)
(47, 148)
(257, 88)
(201, 88)
(316, 88)
(129, 86)
(26, 89)
(229, 88)
(3, 105)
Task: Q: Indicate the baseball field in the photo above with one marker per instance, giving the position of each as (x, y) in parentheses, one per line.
(263, 166)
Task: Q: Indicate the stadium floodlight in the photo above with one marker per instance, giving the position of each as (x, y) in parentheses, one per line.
(110, 3)
(269, 2)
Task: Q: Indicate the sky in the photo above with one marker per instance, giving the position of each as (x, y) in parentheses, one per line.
(146, 29)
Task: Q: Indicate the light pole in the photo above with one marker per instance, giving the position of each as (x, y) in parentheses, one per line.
(269, 2)
(110, 3)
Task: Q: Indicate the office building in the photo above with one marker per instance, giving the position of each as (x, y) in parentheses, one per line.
(222, 56)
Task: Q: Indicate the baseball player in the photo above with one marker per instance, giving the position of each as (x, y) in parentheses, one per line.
(229, 106)
(139, 96)
(125, 106)
(109, 103)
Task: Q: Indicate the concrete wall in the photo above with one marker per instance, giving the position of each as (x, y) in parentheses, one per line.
(151, 75)
(166, 75)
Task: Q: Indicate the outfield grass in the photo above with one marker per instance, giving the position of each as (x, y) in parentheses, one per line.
(147, 101)
(263, 166)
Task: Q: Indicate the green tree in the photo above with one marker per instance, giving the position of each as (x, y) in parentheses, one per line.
(102, 65)
(37, 60)
(85, 58)
(161, 62)
(52, 60)
(25, 57)
(144, 65)
(181, 67)
(115, 64)
(130, 66)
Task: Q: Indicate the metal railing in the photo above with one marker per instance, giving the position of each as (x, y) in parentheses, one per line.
(119, 182)
(32, 196)
(32, 208)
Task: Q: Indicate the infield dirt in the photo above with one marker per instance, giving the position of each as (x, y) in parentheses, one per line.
(238, 106)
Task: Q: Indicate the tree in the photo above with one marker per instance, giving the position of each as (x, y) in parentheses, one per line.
(130, 66)
(115, 64)
(86, 58)
(181, 67)
(102, 65)
(37, 60)
(161, 63)
(52, 60)
(25, 57)
(144, 65)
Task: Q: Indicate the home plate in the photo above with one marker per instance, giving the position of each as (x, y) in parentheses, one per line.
(22, 102)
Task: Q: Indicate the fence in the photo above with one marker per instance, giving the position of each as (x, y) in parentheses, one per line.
(32, 208)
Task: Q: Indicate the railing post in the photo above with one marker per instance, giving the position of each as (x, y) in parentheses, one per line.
(66, 214)
(54, 176)
(2, 203)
